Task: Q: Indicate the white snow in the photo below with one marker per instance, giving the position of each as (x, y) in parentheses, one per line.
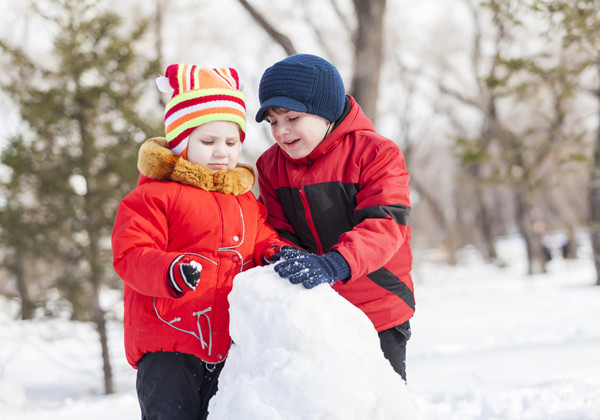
(313, 356)
(488, 343)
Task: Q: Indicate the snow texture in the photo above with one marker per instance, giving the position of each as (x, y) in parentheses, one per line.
(303, 354)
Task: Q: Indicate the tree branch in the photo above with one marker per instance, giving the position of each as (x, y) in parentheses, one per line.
(277, 36)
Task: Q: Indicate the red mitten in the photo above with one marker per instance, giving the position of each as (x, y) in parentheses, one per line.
(269, 254)
(184, 274)
(273, 255)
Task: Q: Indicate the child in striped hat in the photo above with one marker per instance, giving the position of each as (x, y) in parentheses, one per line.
(181, 236)
(200, 95)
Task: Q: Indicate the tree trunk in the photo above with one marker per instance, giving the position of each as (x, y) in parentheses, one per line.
(452, 240)
(485, 222)
(368, 53)
(101, 327)
(92, 250)
(484, 218)
(594, 198)
(27, 306)
(96, 270)
(536, 260)
(98, 313)
(158, 27)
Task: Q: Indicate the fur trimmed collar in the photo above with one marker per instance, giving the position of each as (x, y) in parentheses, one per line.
(156, 161)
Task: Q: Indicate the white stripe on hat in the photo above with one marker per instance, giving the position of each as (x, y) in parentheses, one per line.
(181, 146)
(202, 106)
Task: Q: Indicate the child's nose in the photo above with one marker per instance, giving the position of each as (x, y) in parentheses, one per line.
(281, 129)
(220, 150)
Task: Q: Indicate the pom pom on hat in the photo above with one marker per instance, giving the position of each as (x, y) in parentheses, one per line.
(200, 95)
(162, 82)
(303, 83)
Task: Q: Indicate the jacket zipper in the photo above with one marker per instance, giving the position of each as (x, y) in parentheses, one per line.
(309, 220)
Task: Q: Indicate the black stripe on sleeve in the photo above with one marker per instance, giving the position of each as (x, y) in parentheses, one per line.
(398, 212)
(390, 282)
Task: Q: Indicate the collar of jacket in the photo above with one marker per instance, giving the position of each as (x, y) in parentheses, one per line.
(353, 120)
(156, 161)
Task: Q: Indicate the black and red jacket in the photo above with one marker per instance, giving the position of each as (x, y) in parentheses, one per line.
(350, 194)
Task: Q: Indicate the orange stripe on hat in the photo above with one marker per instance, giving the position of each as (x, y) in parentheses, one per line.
(227, 76)
(199, 114)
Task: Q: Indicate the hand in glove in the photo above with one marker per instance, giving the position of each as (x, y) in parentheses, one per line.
(311, 270)
(282, 252)
(184, 273)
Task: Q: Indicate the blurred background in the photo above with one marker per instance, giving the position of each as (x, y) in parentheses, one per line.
(494, 103)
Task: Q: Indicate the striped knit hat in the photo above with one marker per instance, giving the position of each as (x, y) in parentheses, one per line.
(201, 95)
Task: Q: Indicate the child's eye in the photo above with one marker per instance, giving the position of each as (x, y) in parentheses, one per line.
(232, 143)
(207, 142)
(292, 118)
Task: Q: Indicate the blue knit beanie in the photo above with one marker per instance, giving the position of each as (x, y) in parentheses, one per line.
(302, 83)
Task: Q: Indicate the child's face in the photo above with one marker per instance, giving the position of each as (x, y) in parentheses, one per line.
(297, 133)
(216, 145)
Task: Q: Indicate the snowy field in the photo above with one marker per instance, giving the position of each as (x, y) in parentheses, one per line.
(488, 343)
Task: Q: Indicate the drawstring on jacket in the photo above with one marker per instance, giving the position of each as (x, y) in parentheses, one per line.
(202, 342)
(199, 335)
(204, 312)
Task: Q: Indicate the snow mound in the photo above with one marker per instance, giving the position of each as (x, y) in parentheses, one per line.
(303, 354)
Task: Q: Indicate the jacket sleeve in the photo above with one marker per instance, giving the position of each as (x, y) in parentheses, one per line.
(276, 217)
(139, 242)
(382, 210)
(266, 238)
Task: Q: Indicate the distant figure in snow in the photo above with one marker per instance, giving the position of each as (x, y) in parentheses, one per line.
(568, 249)
(181, 236)
(338, 193)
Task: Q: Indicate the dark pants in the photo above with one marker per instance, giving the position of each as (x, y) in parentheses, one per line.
(175, 386)
(393, 343)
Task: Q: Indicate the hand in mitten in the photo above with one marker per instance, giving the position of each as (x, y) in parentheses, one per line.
(282, 252)
(184, 273)
(271, 255)
(312, 270)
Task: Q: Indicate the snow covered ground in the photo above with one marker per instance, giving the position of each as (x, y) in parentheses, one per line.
(488, 343)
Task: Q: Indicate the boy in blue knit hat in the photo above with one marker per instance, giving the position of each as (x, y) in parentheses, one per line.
(338, 193)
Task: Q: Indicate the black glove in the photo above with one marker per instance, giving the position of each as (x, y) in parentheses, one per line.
(299, 266)
(184, 274)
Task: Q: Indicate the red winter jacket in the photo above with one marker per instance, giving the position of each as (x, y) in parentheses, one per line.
(213, 216)
(350, 195)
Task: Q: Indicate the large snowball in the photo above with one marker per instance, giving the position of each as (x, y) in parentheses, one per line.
(303, 354)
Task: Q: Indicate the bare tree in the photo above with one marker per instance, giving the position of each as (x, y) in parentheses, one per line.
(277, 36)
(158, 39)
(435, 215)
(368, 40)
(473, 151)
(520, 149)
(594, 192)
(368, 57)
(580, 26)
